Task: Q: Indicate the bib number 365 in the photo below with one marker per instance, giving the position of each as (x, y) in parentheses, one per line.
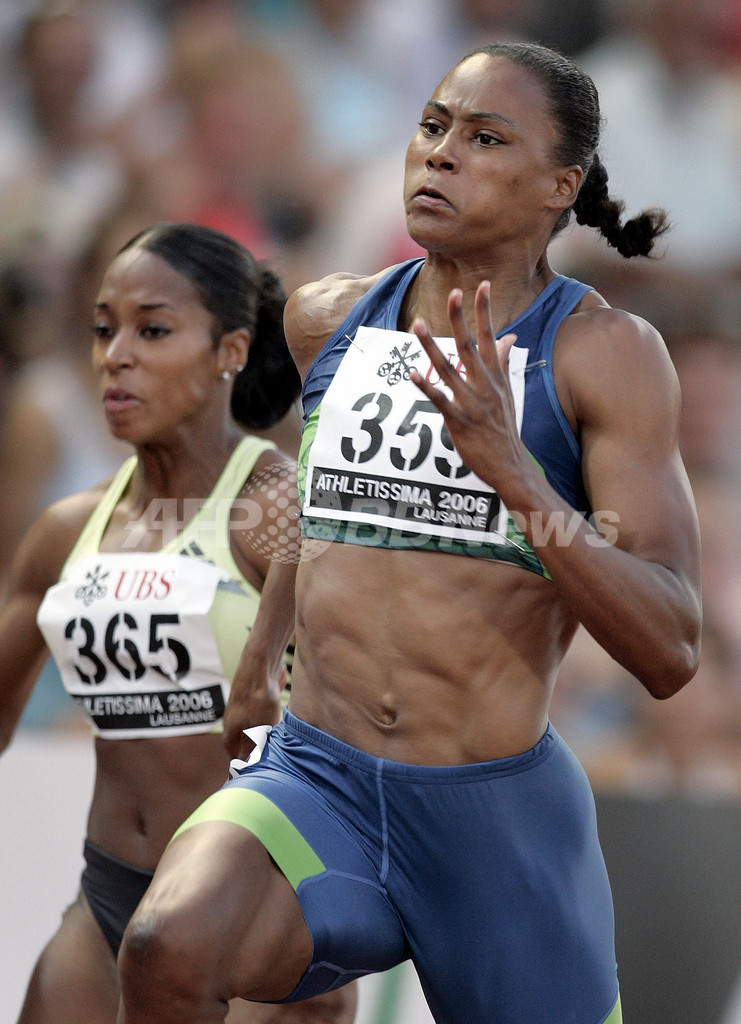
(121, 643)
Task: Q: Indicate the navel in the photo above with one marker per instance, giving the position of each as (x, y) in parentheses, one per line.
(384, 714)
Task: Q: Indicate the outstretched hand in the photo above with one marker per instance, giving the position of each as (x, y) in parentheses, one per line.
(479, 414)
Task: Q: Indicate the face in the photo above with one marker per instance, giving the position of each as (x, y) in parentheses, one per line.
(480, 170)
(153, 350)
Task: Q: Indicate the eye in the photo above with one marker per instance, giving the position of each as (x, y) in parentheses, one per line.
(431, 128)
(487, 140)
(102, 331)
(154, 331)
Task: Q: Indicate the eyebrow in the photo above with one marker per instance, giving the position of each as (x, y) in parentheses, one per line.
(148, 307)
(477, 115)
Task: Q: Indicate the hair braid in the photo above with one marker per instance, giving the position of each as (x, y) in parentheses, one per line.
(595, 209)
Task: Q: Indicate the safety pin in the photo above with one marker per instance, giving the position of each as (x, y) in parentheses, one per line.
(354, 342)
(532, 366)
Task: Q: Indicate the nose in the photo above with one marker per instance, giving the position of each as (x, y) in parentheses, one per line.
(117, 352)
(442, 157)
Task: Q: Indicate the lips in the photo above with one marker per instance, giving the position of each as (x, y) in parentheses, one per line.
(118, 399)
(430, 197)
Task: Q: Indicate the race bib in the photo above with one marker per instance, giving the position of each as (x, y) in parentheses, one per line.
(132, 641)
(382, 454)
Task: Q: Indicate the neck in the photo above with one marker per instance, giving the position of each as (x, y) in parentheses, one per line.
(185, 468)
(513, 289)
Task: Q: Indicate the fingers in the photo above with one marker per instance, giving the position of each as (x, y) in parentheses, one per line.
(467, 348)
(471, 352)
(484, 329)
(440, 363)
(486, 352)
(487, 355)
(463, 340)
(503, 346)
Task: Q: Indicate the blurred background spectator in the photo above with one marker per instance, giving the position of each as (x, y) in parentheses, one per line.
(285, 123)
(670, 92)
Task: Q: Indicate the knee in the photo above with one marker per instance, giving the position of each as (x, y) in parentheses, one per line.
(158, 959)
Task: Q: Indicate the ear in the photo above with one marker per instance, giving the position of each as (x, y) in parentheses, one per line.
(232, 351)
(566, 189)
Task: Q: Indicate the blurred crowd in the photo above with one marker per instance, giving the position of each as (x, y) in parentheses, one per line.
(284, 123)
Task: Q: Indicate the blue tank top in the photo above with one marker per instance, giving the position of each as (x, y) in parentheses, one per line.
(358, 494)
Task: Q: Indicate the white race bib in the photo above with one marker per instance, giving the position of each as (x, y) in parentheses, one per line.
(131, 637)
(382, 454)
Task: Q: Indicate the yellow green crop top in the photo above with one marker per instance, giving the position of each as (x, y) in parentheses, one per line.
(148, 642)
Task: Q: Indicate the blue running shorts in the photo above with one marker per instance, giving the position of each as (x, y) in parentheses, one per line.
(488, 876)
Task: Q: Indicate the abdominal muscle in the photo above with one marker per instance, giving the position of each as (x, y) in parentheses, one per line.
(145, 789)
(423, 657)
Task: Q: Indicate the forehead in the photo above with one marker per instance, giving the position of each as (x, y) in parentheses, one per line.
(485, 84)
(146, 279)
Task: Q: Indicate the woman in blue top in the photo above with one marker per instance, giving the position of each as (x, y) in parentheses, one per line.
(489, 458)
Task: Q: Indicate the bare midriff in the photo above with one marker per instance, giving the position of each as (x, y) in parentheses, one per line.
(145, 789)
(423, 657)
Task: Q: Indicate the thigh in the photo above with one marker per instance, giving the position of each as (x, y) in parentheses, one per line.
(75, 979)
(314, 804)
(299, 880)
(219, 908)
(506, 903)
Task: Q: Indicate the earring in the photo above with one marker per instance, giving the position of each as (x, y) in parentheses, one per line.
(238, 369)
(226, 375)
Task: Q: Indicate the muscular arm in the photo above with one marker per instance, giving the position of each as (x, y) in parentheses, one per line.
(626, 401)
(639, 596)
(261, 673)
(314, 311)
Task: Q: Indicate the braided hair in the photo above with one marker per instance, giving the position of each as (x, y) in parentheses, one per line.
(574, 104)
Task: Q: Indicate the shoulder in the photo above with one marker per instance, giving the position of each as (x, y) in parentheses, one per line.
(270, 527)
(49, 540)
(314, 312)
(609, 361)
(272, 482)
(273, 458)
(63, 521)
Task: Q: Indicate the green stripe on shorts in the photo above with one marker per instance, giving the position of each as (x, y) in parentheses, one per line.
(616, 1016)
(258, 815)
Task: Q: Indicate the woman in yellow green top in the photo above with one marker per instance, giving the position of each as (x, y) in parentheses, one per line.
(146, 587)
